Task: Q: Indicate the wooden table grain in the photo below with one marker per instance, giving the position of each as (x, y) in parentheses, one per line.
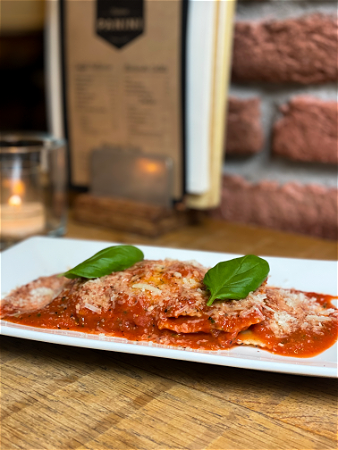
(58, 397)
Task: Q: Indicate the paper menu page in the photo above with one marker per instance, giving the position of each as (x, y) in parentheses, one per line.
(221, 63)
(200, 55)
(126, 97)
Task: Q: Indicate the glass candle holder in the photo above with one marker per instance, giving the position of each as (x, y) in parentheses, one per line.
(33, 186)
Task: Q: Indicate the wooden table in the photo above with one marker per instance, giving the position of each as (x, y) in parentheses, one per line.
(56, 397)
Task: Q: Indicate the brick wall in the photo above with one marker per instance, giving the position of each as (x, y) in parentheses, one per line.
(281, 149)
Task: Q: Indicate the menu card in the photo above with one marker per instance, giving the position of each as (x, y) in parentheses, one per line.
(137, 74)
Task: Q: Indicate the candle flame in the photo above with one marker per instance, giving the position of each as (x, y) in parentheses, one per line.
(14, 200)
(17, 187)
(150, 166)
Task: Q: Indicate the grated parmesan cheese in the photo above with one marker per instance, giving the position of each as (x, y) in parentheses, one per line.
(147, 287)
(92, 308)
(41, 292)
(288, 311)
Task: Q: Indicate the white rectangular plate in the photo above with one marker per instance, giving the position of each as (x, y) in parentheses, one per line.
(41, 256)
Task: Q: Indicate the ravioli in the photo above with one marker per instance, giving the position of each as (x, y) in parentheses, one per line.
(165, 302)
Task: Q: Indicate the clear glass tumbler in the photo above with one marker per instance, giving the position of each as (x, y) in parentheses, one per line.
(33, 171)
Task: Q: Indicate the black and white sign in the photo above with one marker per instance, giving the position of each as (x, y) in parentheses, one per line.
(119, 21)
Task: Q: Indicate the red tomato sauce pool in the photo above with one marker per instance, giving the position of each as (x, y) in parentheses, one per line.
(302, 343)
(61, 314)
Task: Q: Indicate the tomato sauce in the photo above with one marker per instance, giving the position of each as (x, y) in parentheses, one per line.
(133, 324)
(302, 343)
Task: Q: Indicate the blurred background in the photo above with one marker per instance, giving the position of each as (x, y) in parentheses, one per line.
(280, 152)
(23, 99)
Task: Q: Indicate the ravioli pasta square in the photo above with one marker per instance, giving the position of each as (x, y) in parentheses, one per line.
(165, 302)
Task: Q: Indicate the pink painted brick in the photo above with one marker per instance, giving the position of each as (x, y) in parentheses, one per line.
(307, 209)
(301, 50)
(244, 134)
(308, 131)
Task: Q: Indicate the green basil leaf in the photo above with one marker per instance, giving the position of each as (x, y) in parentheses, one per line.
(234, 279)
(111, 259)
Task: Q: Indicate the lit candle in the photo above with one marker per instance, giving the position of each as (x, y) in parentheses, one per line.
(19, 219)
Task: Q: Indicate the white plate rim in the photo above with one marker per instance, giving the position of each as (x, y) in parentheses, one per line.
(259, 359)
